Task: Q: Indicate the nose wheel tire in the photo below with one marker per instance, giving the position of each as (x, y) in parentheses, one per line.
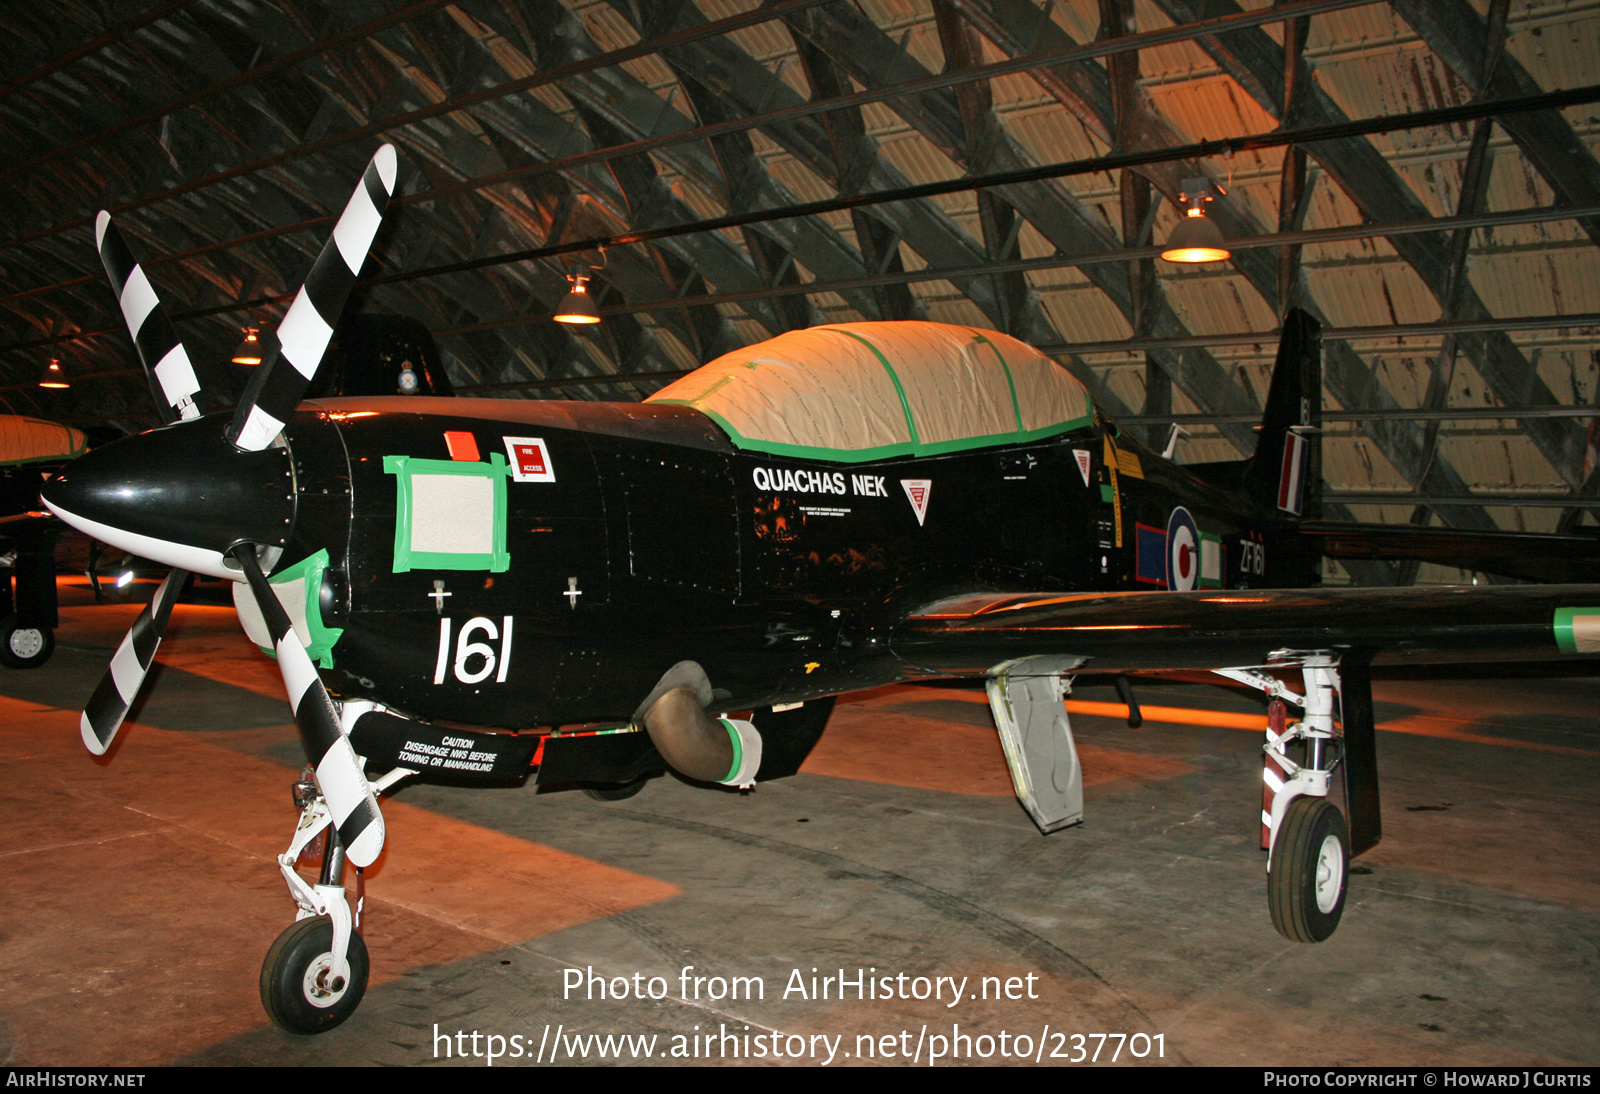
(25, 647)
(1310, 865)
(298, 988)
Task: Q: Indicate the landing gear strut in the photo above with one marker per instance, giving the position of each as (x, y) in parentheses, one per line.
(316, 972)
(1307, 837)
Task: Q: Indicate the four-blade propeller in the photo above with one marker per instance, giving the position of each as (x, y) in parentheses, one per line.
(275, 390)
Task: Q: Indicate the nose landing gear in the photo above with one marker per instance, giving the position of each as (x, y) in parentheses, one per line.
(316, 972)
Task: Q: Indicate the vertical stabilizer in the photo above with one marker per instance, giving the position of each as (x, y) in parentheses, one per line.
(1285, 474)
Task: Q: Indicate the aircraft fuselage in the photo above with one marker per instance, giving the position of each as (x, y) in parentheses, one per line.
(635, 536)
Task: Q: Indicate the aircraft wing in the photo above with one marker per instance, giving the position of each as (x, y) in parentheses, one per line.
(1532, 556)
(1208, 629)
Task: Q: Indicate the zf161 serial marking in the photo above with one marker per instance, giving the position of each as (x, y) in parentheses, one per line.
(466, 669)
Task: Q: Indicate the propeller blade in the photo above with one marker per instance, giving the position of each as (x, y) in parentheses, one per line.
(302, 337)
(344, 784)
(108, 706)
(166, 362)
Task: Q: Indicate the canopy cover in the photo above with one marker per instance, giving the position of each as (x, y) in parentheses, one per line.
(29, 440)
(865, 391)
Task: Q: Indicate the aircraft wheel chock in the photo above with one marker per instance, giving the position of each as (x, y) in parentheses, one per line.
(1310, 866)
(298, 989)
(25, 647)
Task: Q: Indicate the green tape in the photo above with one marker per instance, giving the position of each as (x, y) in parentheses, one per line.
(905, 404)
(322, 637)
(1578, 630)
(738, 749)
(496, 560)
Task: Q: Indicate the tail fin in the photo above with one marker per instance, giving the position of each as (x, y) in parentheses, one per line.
(1285, 474)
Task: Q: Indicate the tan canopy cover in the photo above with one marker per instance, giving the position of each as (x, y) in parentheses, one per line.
(29, 440)
(864, 391)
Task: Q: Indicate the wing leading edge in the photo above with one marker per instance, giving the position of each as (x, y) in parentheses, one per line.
(1209, 629)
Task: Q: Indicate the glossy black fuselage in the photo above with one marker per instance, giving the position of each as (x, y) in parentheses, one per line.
(657, 542)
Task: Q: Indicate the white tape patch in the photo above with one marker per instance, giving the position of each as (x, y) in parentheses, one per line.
(259, 430)
(452, 514)
(385, 159)
(176, 375)
(355, 229)
(304, 335)
(91, 739)
(138, 299)
(298, 672)
(125, 670)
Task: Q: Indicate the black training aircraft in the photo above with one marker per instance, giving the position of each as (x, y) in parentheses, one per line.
(835, 509)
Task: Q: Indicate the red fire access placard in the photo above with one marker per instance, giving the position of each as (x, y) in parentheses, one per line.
(530, 459)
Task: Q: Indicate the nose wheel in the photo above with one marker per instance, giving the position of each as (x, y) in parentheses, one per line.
(1310, 860)
(299, 987)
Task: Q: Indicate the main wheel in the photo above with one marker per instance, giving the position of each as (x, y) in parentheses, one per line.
(297, 986)
(25, 647)
(1310, 860)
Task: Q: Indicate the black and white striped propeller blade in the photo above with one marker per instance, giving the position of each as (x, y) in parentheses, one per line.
(344, 784)
(302, 337)
(109, 704)
(173, 383)
(166, 362)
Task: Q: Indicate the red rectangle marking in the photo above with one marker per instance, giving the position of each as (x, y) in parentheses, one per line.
(462, 445)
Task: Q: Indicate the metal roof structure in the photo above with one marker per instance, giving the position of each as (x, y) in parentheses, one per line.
(1420, 174)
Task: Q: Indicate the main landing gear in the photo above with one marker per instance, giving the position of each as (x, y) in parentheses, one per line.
(25, 647)
(316, 972)
(1308, 840)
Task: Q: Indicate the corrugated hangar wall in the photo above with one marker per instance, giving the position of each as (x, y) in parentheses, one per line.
(1460, 362)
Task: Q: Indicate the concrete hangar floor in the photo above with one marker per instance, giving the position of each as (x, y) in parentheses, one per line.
(138, 897)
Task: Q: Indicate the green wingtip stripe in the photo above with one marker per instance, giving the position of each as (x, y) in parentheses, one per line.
(1577, 630)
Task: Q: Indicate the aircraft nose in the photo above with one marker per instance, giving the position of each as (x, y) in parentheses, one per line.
(181, 495)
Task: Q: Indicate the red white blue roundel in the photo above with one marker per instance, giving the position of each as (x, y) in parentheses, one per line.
(1183, 550)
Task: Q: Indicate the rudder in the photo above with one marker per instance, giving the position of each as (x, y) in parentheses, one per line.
(1285, 474)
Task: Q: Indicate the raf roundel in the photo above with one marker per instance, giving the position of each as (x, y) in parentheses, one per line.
(1183, 550)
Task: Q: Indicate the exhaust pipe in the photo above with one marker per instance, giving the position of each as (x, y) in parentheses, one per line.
(696, 745)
